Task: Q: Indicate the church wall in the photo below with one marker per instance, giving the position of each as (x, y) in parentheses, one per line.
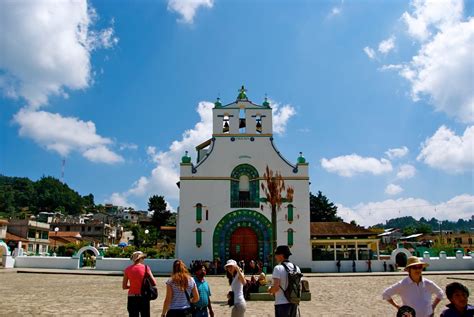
(214, 195)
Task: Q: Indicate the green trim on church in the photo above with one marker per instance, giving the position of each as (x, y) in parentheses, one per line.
(242, 218)
(254, 187)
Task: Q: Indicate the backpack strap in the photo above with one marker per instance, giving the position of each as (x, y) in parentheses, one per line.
(287, 269)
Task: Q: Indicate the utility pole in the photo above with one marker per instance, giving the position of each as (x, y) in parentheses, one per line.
(63, 164)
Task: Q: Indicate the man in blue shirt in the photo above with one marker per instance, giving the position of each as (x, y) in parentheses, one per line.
(201, 307)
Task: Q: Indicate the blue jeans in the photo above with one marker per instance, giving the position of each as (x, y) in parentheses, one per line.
(286, 310)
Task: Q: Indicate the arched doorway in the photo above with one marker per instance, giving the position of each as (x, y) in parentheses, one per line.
(244, 244)
(259, 225)
(401, 259)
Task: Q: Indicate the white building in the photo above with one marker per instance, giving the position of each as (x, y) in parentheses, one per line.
(221, 214)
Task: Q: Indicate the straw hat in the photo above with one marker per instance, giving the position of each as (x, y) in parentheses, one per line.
(137, 255)
(413, 260)
(230, 263)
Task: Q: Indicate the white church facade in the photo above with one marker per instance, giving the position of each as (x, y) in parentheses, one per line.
(221, 212)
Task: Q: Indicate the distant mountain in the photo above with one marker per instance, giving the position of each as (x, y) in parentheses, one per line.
(425, 226)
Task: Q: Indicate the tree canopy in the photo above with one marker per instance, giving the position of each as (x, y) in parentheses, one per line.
(21, 195)
(426, 226)
(322, 210)
(158, 205)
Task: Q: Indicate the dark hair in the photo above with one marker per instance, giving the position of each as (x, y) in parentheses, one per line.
(455, 286)
(406, 309)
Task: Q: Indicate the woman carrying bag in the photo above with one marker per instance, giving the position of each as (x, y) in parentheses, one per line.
(237, 282)
(137, 305)
(181, 291)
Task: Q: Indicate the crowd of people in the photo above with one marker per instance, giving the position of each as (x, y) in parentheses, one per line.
(252, 267)
(187, 296)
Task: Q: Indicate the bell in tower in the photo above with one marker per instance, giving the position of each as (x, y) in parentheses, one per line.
(258, 127)
(225, 128)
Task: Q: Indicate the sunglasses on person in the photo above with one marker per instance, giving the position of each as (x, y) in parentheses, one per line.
(417, 267)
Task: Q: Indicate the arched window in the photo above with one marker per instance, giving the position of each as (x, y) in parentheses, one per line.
(244, 191)
(198, 237)
(290, 213)
(225, 124)
(290, 237)
(198, 213)
(258, 126)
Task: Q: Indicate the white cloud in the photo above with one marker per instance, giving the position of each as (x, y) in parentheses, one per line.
(393, 189)
(65, 134)
(187, 8)
(387, 45)
(406, 171)
(46, 48)
(281, 115)
(391, 67)
(165, 175)
(442, 70)
(118, 199)
(371, 213)
(350, 165)
(335, 11)
(397, 152)
(128, 146)
(370, 52)
(432, 15)
(449, 152)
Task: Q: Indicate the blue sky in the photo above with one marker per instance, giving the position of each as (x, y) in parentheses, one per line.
(376, 94)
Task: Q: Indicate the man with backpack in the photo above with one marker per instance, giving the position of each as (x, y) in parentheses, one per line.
(286, 286)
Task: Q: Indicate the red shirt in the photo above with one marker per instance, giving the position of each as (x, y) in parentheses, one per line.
(135, 274)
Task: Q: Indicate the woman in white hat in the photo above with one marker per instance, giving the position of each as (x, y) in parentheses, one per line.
(132, 280)
(414, 290)
(236, 282)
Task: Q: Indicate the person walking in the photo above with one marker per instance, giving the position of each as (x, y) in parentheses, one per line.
(338, 264)
(132, 280)
(283, 308)
(369, 265)
(236, 281)
(415, 290)
(353, 265)
(201, 307)
(181, 292)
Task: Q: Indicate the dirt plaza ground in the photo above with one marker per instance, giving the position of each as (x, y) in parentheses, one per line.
(37, 294)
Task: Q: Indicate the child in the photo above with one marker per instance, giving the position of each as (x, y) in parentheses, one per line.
(406, 311)
(457, 295)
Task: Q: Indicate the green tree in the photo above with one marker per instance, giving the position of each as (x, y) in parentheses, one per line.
(321, 209)
(424, 228)
(408, 231)
(273, 187)
(158, 205)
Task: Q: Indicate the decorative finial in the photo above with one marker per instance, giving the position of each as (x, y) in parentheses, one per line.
(218, 103)
(242, 95)
(186, 159)
(301, 159)
(265, 102)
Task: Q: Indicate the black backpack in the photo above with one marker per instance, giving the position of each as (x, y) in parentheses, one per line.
(293, 290)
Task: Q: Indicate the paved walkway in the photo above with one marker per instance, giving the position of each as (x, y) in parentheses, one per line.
(37, 294)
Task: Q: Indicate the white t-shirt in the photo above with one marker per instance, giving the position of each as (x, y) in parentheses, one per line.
(238, 289)
(280, 273)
